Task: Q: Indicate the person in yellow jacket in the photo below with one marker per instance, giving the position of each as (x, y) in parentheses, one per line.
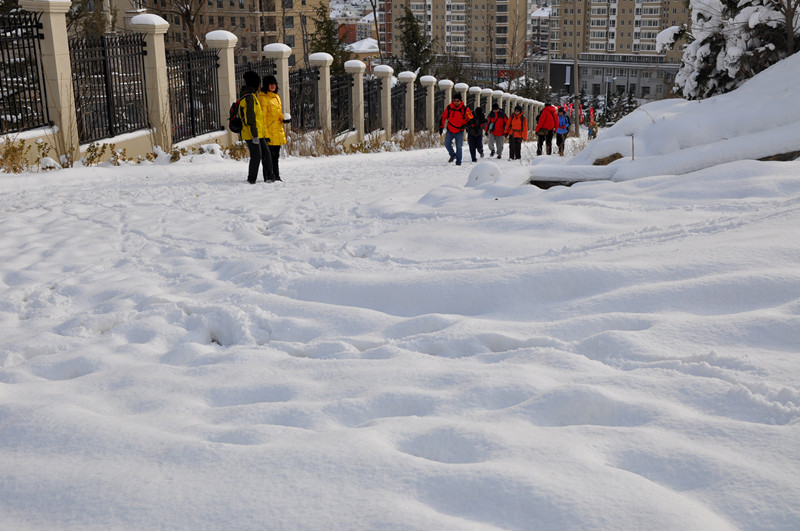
(516, 131)
(274, 118)
(253, 131)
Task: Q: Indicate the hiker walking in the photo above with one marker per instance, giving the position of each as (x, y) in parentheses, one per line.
(545, 127)
(496, 124)
(562, 130)
(516, 131)
(475, 133)
(455, 118)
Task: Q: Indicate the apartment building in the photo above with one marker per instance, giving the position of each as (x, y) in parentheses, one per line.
(491, 32)
(255, 22)
(615, 41)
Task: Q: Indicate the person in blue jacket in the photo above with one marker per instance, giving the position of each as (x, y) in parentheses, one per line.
(562, 130)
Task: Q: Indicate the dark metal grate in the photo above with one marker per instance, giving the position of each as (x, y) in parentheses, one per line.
(265, 67)
(341, 102)
(420, 100)
(399, 107)
(372, 105)
(194, 93)
(108, 80)
(22, 91)
(303, 98)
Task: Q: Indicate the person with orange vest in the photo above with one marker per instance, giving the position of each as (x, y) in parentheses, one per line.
(517, 131)
(455, 117)
(496, 124)
(545, 127)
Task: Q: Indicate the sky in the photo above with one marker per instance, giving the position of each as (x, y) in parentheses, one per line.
(388, 341)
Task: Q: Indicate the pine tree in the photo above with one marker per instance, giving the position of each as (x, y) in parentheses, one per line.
(326, 39)
(730, 41)
(417, 47)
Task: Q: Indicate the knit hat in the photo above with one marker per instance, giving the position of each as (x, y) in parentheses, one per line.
(252, 79)
(495, 106)
(518, 108)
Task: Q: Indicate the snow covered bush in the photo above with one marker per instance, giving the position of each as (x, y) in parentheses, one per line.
(730, 41)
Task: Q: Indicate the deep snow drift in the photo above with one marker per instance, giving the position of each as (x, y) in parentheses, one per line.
(390, 342)
(676, 136)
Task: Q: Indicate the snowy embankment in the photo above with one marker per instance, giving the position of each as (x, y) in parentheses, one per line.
(675, 137)
(387, 341)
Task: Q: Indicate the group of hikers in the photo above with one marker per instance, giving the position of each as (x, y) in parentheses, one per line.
(262, 128)
(261, 112)
(457, 118)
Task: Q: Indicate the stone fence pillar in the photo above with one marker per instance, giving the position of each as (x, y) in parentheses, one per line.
(155, 77)
(408, 78)
(384, 72)
(356, 69)
(224, 42)
(487, 94)
(447, 86)
(462, 89)
(323, 61)
(57, 71)
(280, 54)
(476, 92)
(429, 83)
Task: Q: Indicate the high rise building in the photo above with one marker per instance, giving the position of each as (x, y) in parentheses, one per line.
(474, 31)
(614, 40)
(255, 22)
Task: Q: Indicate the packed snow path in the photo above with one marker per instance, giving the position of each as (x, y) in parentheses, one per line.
(374, 345)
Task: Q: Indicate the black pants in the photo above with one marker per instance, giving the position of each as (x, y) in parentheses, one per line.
(514, 148)
(561, 138)
(475, 144)
(275, 154)
(548, 138)
(259, 156)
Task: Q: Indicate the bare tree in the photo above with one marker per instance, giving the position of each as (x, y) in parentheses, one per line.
(374, 4)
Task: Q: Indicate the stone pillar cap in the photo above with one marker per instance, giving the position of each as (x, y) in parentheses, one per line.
(475, 90)
(277, 50)
(406, 77)
(46, 6)
(498, 93)
(149, 23)
(445, 84)
(487, 92)
(383, 70)
(461, 87)
(354, 66)
(320, 59)
(221, 39)
(427, 81)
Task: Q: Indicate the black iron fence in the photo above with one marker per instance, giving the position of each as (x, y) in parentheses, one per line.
(303, 98)
(265, 67)
(372, 105)
(399, 107)
(420, 99)
(108, 81)
(341, 103)
(438, 108)
(193, 93)
(22, 93)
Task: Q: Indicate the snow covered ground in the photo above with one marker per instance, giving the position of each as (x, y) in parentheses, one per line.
(387, 341)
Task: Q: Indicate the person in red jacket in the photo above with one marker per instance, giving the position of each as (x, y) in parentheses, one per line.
(516, 131)
(455, 117)
(496, 124)
(545, 127)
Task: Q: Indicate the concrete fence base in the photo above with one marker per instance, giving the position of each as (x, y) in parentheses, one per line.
(63, 136)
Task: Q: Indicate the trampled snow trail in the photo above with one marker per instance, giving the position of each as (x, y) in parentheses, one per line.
(373, 344)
